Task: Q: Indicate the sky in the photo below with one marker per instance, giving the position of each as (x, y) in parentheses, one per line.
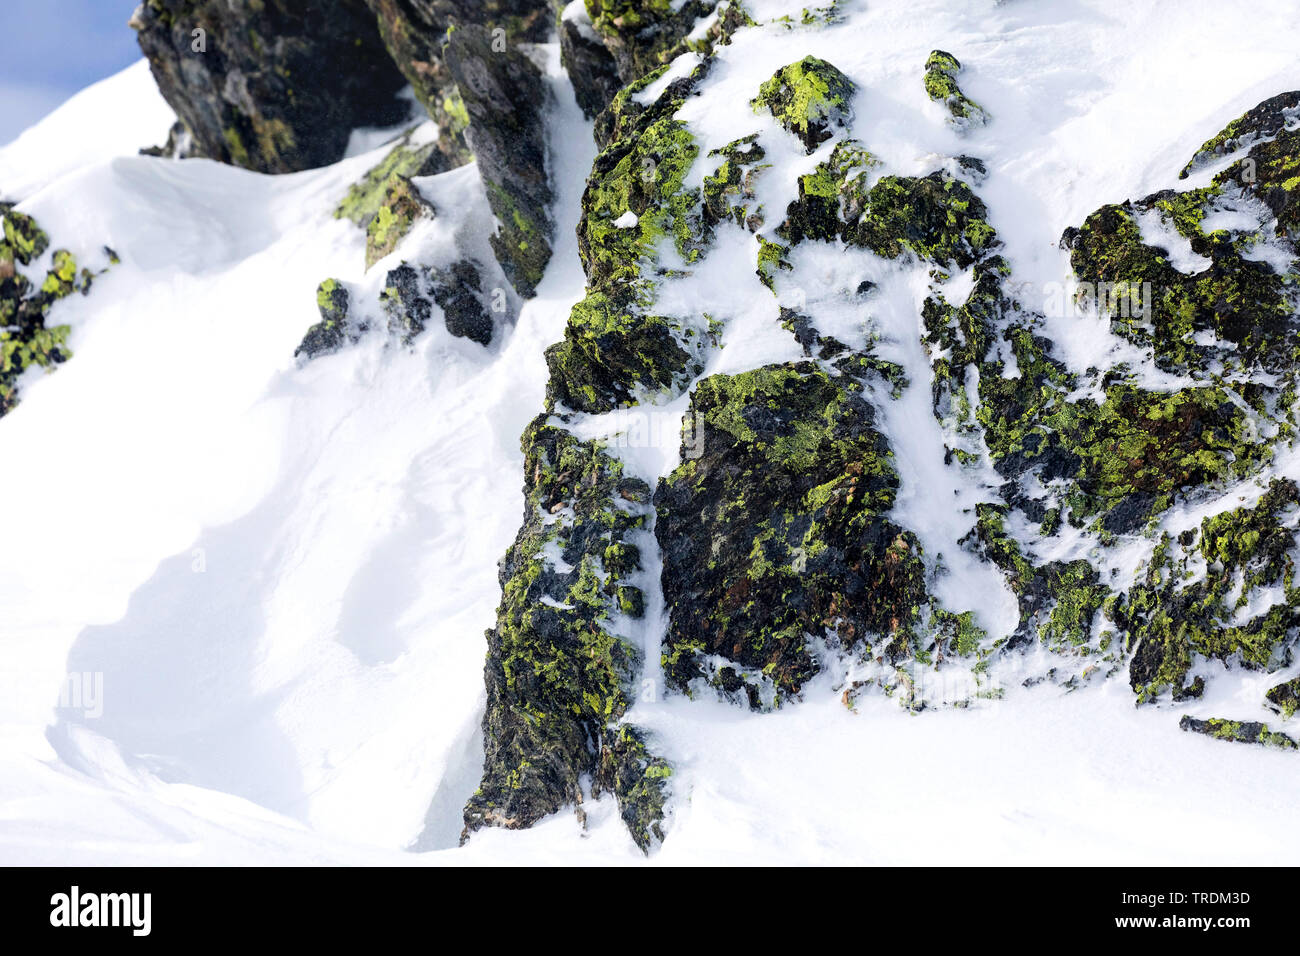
(50, 49)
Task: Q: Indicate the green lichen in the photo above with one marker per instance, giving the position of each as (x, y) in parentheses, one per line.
(384, 202)
(777, 532)
(398, 211)
(809, 98)
(23, 237)
(27, 341)
(1237, 731)
(1285, 698)
(935, 217)
(941, 71)
(558, 675)
(1172, 622)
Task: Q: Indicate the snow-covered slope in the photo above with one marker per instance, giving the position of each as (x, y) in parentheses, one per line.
(277, 578)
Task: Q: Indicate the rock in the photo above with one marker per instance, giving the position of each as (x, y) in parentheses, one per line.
(505, 97)
(1261, 122)
(1236, 731)
(809, 98)
(459, 292)
(399, 208)
(591, 67)
(334, 330)
(642, 35)
(385, 203)
(26, 341)
(1285, 698)
(406, 301)
(776, 533)
(256, 81)
(559, 675)
(180, 145)
(414, 32)
(941, 71)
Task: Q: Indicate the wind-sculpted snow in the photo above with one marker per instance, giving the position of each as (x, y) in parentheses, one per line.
(906, 442)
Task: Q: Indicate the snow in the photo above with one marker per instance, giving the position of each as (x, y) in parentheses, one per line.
(283, 575)
(115, 117)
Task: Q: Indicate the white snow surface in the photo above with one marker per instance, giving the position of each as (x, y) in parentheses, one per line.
(270, 583)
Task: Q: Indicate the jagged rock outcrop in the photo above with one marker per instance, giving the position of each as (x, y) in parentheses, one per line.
(414, 32)
(257, 83)
(505, 98)
(1285, 698)
(775, 530)
(642, 36)
(560, 669)
(591, 67)
(782, 544)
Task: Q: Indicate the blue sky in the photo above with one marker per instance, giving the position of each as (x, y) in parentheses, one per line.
(50, 49)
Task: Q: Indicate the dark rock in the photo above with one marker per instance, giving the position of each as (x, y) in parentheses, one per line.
(776, 534)
(414, 32)
(180, 145)
(258, 83)
(558, 678)
(458, 291)
(334, 330)
(642, 36)
(505, 97)
(591, 67)
(406, 302)
(1238, 731)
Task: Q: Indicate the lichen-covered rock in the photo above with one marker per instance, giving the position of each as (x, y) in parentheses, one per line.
(642, 35)
(559, 670)
(729, 190)
(591, 67)
(385, 203)
(414, 32)
(26, 340)
(809, 98)
(636, 210)
(1285, 698)
(506, 99)
(1262, 122)
(251, 82)
(1170, 621)
(776, 538)
(614, 353)
(399, 208)
(335, 329)
(642, 170)
(1237, 731)
(935, 217)
(405, 160)
(941, 71)
(1244, 306)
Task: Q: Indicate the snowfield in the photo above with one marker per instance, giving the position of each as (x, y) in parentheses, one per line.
(242, 602)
